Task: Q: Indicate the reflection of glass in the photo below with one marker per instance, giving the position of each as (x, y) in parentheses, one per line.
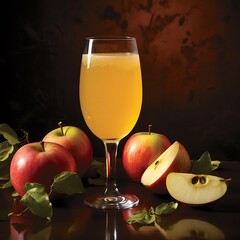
(110, 98)
(111, 229)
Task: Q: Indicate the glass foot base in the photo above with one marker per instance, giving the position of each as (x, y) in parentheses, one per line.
(124, 201)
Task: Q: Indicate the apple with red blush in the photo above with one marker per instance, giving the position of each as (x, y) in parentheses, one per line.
(140, 150)
(76, 142)
(39, 162)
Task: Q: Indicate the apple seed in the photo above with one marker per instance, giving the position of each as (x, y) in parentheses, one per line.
(195, 180)
(202, 179)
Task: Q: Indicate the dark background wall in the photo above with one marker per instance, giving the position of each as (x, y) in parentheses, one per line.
(189, 53)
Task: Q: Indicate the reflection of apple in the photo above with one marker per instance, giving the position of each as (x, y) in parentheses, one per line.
(39, 162)
(27, 225)
(140, 150)
(26, 233)
(195, 189)
(174, 159)
(76, 142)
(194, 229)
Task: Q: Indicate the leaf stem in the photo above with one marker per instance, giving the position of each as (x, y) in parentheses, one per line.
(25, 138)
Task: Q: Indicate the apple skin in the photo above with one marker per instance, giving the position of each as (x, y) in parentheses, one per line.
(181, 163)
(31, 163)
(76, 142)
(140, 150)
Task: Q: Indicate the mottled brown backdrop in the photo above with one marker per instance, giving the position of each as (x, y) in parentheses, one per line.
(189, 51)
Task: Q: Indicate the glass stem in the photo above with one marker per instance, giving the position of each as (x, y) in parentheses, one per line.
(111, 147)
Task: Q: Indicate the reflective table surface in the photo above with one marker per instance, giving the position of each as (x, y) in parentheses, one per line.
(73, 220)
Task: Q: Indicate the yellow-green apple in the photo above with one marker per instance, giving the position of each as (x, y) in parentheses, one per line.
(39, 162)
(174, 159)
(76, 142)
(140, 150)
(195, 189)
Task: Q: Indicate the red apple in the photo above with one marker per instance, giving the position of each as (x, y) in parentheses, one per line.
(140, 150)
(174, 159)
(76, 142)
(39, 162)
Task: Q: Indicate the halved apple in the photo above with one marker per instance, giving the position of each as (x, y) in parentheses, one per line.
(174, 159)
(195, 189)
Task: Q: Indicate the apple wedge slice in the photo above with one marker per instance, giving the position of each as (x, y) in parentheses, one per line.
(174, 159)
(195, 189)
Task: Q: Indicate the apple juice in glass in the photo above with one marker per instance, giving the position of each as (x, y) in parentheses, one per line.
(110, 93)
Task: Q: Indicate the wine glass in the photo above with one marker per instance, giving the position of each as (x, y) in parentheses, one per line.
(110, 93)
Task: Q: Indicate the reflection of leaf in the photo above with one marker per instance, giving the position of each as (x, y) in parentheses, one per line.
(37, 200)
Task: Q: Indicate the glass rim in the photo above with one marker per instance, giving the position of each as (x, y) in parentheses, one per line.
(107, 38)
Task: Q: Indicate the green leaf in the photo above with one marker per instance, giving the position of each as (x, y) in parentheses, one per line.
(9, 134)
(166, 208)
(204, 165)
(5, 170)
(68, 183)
(15, 194)
(37, 200)
(5, 150)
(100, 168)
(147, 217)
(5, 162)
(215, 164)
(136, 217)
(6, 184)
(141, 217)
